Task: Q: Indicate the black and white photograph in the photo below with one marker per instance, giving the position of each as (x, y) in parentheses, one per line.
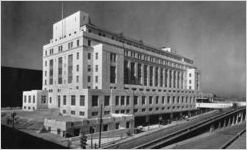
(123, 74)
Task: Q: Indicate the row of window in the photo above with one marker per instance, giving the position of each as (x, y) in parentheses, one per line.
(29, 99)
(127, 111)
(125, 100)
(61, 47)
(73, 100)
(143, 100)
(152, 59)
(72, 112)
(28, 108)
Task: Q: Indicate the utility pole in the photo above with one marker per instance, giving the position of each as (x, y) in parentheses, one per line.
(100, 125)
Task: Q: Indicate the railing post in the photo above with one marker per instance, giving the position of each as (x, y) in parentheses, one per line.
(212, 127)
(225, 123)
(242, 117)
(229, 121)
(219, 124)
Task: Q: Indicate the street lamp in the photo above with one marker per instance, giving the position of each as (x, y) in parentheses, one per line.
(133, 112)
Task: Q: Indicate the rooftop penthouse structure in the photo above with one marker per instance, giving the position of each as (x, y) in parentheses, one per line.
(85, 66)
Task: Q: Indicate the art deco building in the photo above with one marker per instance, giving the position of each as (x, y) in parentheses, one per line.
(85, 66)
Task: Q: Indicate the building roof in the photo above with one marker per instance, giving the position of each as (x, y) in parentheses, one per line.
(139, 43)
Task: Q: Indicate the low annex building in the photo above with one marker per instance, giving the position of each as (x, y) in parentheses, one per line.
(86, 67)
(34, 100)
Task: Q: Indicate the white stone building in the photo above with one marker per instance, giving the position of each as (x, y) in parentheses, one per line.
(85, 66)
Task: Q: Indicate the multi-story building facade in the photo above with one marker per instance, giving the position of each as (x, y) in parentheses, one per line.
(85, 66)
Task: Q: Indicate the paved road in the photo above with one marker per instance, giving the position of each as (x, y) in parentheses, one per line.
(211, 141)
(240, 143)
(146, 138)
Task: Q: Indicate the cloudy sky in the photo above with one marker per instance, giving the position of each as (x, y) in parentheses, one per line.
(211, 33)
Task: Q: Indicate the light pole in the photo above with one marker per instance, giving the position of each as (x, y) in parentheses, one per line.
(133, 109)
(100, 125)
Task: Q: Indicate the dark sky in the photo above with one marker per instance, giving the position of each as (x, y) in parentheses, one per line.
(212, 33)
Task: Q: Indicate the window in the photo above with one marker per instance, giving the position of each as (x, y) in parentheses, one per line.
(58, 131)
(135, 100)
(89, 56)
(77, 79)
(77, 67)
(96, 56)
(163, 99)
(51, 72)
(73, 100)
(25, 99)
(50, 100)
(70, 68)
(117, 101)
(33, 99)
(60, 70)
(113, 74)
(189, 74)
(106, 112)
(117, 111)
(72, 112)
(51, 51)
(94, 100)
(112, 57)
(29, 99)
(64, 111)
(157, 99)
(78, 42)
(107, 101)
(81, 113)
(168, 99)
(88, 79)
(189, 81)
(96, 79)
(89, 68)
(96, 68)
(70, 45)
(151, 76)
(122, 100)
(89, 42)
(143, 100)
(117, 125)
(64, 100)
(127, 100)
(60, 48)
(150, 99)
(82, 100)
(95, 113)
